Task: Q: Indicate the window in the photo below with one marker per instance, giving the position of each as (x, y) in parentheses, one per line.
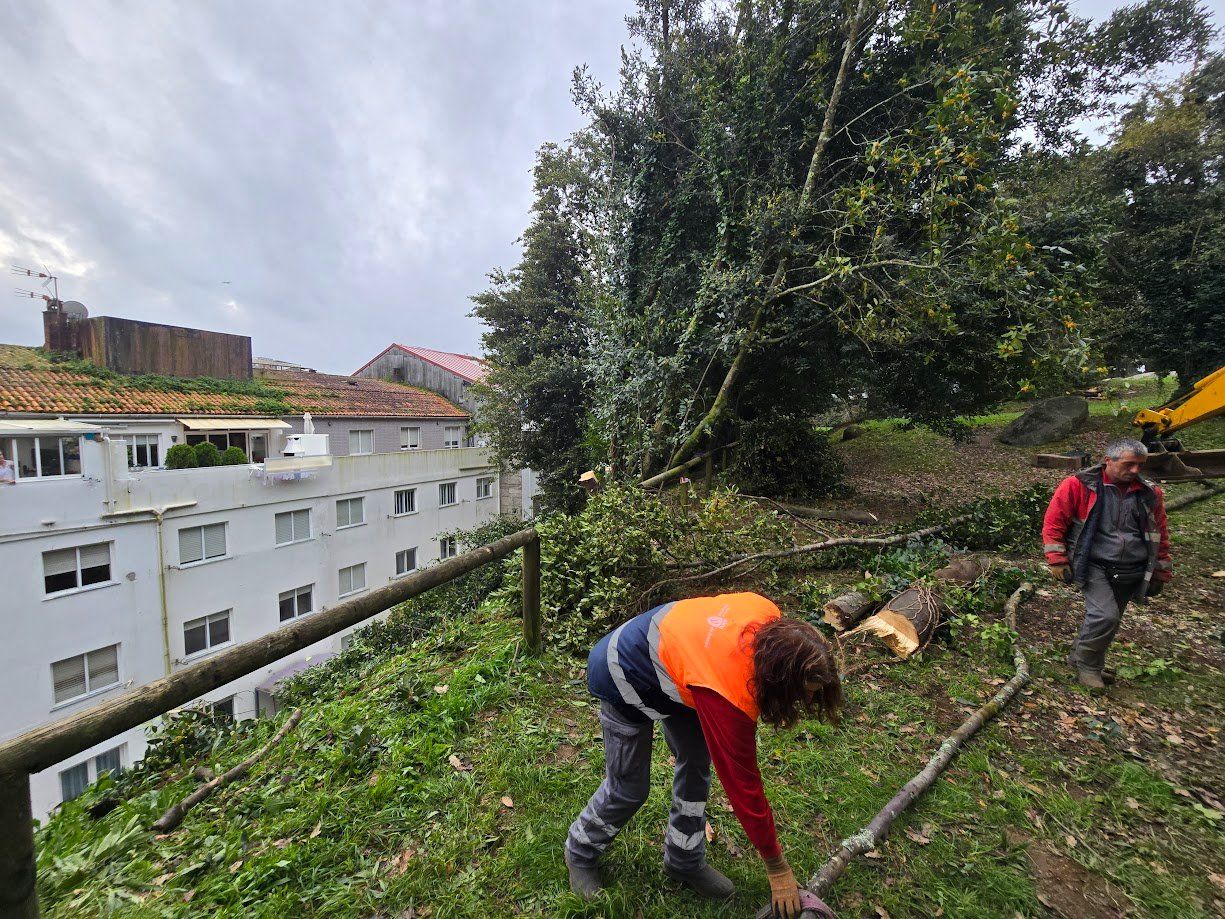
(452, 435)
(74, 781)
(69, 569)
(484, 488)
(142, 450)
(361, 442)
(199, 544)
(406, 501)
(295, 603)
(350, 512)
(293, 526)
(352, 579)
(78, 676)
(446, 494)
(43, 457)
(406, 561)
(410, 438)
(206, 633)
(447, 547)
(223, 708)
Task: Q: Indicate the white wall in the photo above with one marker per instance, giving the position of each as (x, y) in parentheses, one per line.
(39, 516)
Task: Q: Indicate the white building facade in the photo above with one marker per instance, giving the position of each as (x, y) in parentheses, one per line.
(116, 575)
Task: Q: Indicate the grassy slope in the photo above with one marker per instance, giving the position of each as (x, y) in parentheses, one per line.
(1094, 807)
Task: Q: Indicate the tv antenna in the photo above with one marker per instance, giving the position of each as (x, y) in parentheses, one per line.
(48, 281)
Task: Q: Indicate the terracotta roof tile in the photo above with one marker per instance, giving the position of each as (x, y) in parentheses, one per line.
(29, 382)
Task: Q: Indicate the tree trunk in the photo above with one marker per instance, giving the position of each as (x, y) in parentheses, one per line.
(844, 611)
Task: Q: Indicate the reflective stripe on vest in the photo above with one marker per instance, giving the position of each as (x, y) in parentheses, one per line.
(628, 693)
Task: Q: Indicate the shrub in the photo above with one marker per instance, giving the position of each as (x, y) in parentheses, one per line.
(596, 565)
(181, 456)
(784, 456)
(207, 454)
(233, 456)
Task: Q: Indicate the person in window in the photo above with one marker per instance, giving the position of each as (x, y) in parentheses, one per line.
(708, 668)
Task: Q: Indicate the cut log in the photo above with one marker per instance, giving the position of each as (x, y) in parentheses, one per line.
(844, 611)
(844, 514)
(906, 623)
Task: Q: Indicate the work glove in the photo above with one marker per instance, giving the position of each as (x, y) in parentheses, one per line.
(784, 889)
(1061, 573)
(1154, 588)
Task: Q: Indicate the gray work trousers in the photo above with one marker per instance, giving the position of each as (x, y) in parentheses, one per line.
(1105, 600)
(627, 782)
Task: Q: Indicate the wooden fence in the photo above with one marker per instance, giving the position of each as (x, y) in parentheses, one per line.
(52, 743)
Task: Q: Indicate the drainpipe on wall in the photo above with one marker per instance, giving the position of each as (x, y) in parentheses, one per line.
(159, 514)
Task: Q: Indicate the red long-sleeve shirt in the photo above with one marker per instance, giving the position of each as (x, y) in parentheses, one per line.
(731, 737)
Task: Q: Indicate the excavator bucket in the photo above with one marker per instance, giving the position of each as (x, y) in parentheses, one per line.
(1180, 466)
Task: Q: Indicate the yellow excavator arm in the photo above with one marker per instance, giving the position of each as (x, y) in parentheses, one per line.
(1205, 400)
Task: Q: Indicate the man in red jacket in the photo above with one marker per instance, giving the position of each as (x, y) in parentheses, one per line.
(1105, 531)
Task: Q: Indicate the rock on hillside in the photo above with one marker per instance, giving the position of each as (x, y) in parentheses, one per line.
(1050, 419)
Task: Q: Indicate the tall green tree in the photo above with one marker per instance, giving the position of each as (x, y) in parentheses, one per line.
(535, 400)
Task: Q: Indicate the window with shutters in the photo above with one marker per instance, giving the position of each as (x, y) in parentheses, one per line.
(293, 526)
(446, 494)
(84, 674)
(206, 633)
(406, 561)
(406, 501)
(43, 457)
(352, 579)
(484, 488)
(410, 438)
(75, 780)
(448, 547)
(361, 442)
(350, 512)
(297, 602)
(200, 544)
(452, 435)
(77, 567)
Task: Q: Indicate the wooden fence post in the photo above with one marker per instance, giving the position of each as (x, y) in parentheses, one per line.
(18, 897)
(531, 594)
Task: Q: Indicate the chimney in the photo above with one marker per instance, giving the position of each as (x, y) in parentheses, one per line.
(60, 331)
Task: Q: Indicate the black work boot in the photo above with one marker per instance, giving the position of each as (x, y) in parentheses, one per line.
(585, 880)
(704, 880)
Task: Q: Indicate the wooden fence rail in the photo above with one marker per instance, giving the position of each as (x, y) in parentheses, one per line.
(52, 743)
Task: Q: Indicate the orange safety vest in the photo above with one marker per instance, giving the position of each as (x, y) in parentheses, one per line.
(702, 643)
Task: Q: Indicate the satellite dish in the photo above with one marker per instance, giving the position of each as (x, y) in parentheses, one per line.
(75, 309)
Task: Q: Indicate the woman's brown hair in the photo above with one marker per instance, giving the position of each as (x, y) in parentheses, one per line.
(787, 654)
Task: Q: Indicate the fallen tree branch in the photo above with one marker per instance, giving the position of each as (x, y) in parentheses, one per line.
(870, 836)
(175, 814)
(1183, 500)
(878, 541)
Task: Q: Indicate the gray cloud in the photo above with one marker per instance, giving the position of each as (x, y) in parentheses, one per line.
(352, 169)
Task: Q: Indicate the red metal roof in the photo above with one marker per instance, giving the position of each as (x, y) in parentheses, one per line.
(30, 383)
(465, 366)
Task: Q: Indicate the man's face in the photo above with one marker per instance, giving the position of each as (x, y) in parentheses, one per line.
(1126, 469)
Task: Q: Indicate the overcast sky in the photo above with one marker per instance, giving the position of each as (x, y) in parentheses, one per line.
(324, 177)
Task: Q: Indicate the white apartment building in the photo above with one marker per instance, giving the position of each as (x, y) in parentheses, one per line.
(117, 570)
(116, 576)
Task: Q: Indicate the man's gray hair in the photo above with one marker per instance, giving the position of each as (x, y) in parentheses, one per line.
(1124, 446)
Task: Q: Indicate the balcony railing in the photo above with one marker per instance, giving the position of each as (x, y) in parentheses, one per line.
(45, 746)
